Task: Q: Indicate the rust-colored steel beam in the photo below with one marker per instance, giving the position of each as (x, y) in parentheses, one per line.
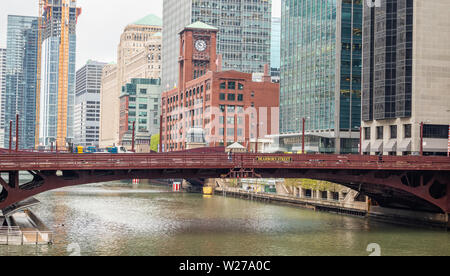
(426, 192)
(183, 160)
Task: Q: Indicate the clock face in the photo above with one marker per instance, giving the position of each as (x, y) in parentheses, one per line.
(200, 45)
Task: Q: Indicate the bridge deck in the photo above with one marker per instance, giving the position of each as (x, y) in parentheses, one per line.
(53, 161)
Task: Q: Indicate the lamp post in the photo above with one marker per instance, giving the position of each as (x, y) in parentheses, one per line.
(448, 145)
(10, 136)
(17, 132)
(160, 133)
(303, 135)
(133, 136)
(360, 140)
(257, 135)
(421, 138)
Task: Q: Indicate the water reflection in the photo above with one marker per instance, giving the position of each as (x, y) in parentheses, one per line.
(121, 219)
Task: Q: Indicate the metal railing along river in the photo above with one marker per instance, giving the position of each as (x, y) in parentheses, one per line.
(12, 235)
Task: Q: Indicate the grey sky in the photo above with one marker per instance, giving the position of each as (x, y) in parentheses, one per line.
(100, 24)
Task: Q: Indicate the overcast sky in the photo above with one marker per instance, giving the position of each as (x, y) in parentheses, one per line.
(100, 24)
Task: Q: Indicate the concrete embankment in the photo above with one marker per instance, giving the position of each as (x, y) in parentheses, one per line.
(395, 216)
(318, 205)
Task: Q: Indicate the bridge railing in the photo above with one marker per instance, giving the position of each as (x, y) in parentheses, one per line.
(39, 161)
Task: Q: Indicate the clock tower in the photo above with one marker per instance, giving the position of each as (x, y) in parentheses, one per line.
(198, 43)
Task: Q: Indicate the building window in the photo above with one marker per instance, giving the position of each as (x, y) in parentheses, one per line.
(144, 91)
(367, 133)
(231, 109)
(222, 96)
(240, 97)
(223, 85)
(222, 107)
(380, 133)
(232, 85)
(435, 131)
(408, 131)
(393, 132)
(231, 97)
(240, 86)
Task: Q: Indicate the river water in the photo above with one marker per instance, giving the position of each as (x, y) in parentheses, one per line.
(121, 219)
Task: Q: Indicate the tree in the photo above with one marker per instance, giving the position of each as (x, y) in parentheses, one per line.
(154, 142)
(313, 184)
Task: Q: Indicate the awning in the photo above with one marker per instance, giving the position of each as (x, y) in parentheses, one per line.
(435, 145)
(366, 147)
(377, 146)
(405, 145)
(390, 146)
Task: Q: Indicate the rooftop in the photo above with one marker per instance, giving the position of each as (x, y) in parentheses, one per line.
(149, 20)
(201, 25)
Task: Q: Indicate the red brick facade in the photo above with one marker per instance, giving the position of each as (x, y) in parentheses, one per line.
(226, 105)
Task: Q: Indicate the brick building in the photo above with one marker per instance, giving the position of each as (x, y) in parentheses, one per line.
(226, 105)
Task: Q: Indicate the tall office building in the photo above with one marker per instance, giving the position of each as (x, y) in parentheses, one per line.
(275, 52)
(321, 49)
(2, 95)
(243, 39)
(138, 56)
(21, 78)
(55, 114)
(87, 104)
(406, 77)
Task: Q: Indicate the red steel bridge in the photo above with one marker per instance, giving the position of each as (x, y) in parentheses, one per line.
(417, 183)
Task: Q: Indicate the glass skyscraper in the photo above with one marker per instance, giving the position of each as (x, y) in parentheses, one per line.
(57, 94)
(2, 94)
(244, 33)
(275, 52)
(321, 74)
(21, 76)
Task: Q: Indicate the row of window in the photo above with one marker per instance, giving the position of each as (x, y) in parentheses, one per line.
(407, 132)
(231, 97)
(189, 93)
(231, 85)
(429, 131)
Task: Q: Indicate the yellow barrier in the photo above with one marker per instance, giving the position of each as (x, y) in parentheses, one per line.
(207, 190)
